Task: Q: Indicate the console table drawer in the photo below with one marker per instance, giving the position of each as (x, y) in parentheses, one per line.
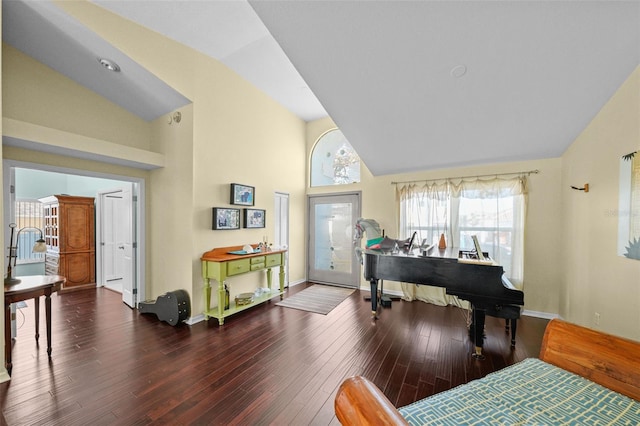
(238, 267)
(257, 263)
(257, 266)
(274, 259)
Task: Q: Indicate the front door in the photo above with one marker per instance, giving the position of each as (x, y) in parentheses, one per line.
(332, 259)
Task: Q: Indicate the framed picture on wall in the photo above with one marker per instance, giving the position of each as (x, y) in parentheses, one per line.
(254, 218)
(225, 218)
(242, 195)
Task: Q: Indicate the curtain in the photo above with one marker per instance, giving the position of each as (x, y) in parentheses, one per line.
(492, 209)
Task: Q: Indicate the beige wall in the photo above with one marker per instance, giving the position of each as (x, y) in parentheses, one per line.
(595, 278)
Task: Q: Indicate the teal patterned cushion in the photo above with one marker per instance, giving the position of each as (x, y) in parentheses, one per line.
(530, 392)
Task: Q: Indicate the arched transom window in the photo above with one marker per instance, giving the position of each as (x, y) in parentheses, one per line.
(334, 161)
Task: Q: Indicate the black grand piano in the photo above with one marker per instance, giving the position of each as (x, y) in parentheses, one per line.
(484, 285)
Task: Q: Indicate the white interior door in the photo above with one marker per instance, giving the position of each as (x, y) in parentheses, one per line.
(281, 228)
(117, 245)
(112, 277)
(332, 258)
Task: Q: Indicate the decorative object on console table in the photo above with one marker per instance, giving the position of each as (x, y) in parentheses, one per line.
(221, 263)
(244, 299)
(69, 233)
(242, 195)
(225, 218)
(254, 218)
(38, 247)
(227, 297)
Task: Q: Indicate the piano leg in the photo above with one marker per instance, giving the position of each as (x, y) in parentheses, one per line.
(374, 297)
(514, 323)
(476, 331)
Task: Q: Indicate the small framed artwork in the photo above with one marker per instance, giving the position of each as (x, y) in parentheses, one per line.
(254, 218)
(225, 218)
(242, 195)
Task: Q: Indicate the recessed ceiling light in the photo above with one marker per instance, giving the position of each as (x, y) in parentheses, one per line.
(458, 71)
(109, 64)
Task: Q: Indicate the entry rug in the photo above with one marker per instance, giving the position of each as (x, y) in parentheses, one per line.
(320, 299)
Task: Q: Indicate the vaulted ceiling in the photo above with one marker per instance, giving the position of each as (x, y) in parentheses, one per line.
(413, 85)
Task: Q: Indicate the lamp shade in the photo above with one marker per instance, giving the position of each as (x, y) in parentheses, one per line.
(40, 246)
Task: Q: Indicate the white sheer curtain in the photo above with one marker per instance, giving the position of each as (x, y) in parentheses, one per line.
(493, 209)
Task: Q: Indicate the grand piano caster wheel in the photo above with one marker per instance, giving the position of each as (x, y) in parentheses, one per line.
(477, 353)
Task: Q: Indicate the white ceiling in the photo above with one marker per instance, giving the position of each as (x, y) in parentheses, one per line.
(387, 71)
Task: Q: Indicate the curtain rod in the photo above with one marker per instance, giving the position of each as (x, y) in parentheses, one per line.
(466, 177)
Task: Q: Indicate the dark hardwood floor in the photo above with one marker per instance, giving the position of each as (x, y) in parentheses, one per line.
(269, 365)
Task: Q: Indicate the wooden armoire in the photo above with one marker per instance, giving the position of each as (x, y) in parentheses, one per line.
(69, 231)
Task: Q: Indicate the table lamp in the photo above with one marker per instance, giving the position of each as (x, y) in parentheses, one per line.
(39, 247)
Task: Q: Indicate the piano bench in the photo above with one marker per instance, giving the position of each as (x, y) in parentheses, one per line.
(510, 313)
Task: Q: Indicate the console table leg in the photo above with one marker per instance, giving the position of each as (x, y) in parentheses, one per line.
(221, 298)
(281, 277)
(47, 307)
(7, 337)
(36, 306)
(207, 297)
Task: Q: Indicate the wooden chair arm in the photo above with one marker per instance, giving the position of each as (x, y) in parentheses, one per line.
(360, 402)
(611, 361)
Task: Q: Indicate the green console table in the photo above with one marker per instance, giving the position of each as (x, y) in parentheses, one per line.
(220, 263)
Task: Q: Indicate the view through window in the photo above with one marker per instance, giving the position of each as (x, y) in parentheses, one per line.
(29, 221)
(334, 161)
(492, 210)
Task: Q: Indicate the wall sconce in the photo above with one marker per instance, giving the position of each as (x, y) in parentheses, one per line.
(39, 247)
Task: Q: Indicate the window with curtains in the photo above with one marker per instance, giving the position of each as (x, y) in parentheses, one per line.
(492, 209)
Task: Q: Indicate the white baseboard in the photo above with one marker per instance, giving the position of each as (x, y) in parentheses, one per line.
(536, 314)
(295, 283)
(194, 320)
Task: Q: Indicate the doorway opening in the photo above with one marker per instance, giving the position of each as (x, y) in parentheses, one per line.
(118, 222)
(281, 228)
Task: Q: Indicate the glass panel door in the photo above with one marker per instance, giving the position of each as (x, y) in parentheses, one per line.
(332, 258)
